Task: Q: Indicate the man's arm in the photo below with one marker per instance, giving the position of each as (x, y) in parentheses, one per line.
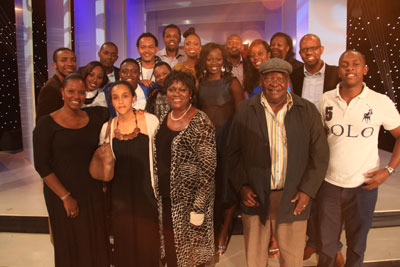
(380, 176)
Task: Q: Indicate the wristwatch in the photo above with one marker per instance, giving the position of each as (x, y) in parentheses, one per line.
(389, 169)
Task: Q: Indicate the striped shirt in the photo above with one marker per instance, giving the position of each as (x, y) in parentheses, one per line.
(277, 141)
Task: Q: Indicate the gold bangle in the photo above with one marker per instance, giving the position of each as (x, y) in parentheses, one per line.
(66, 196)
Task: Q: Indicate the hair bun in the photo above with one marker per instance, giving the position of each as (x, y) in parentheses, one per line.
(189, 31)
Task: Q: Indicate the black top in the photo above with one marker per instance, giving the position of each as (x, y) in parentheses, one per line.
(81, 241)
(134, 221)
(216, 101)
(164, 140)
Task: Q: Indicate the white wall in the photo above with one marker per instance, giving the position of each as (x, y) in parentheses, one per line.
(328, 19)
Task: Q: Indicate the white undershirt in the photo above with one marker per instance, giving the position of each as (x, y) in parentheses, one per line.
(147, 74)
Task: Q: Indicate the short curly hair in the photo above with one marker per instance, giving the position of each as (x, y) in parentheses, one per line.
(183, 77)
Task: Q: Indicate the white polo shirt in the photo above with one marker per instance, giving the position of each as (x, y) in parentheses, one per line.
(353, 133)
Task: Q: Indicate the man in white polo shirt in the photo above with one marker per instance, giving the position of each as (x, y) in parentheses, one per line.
(352, 115)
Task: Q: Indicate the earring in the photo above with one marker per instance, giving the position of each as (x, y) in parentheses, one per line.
(223, 69)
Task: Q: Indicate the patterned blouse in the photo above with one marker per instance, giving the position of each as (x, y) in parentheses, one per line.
(193, 163)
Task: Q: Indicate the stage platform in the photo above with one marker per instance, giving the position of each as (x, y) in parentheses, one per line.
(24, 239)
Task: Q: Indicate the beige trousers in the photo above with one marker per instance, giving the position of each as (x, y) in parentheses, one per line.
(289, 236)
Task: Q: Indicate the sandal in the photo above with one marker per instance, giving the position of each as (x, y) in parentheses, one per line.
(273, 250)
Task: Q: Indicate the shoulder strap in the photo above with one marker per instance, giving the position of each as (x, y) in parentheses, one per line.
(108, 130)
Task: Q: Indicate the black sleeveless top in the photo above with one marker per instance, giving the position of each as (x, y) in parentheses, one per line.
(164, 140)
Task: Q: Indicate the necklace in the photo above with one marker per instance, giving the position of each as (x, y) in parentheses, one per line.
(177, 119)
(131, 135)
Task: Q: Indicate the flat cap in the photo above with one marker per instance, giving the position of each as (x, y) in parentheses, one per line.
(276, 65)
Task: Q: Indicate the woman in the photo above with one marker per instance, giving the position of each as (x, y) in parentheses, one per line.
(63, 144)
(259, 52)
(282, 47)
(219, 95)
(185, 162)
(95, 78)
(192, 48)
(134, 224)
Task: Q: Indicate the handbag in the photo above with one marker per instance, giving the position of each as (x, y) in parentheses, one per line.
(102, 163)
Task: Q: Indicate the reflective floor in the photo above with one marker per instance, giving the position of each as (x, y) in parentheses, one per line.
(21, 195)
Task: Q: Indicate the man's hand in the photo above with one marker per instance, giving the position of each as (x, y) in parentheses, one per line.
(147, 83)
(248, 197)
(378, 177)
(302, 202)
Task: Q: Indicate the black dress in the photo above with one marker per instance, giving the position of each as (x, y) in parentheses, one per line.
(134, 217)
(78, 242)
(163, 144)
(217, 102)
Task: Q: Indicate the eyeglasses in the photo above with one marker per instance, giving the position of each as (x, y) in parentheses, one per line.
(278, 80)
(311, 49)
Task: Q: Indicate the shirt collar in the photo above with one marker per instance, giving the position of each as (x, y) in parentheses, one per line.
(163, 52)
(321, 72)
(240, 62)
(288, 104)
(111, 74)
(363, 94)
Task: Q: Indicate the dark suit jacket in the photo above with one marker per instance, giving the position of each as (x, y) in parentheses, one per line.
(116, 72)
(331, 79)
(249, 161)
(50, 98)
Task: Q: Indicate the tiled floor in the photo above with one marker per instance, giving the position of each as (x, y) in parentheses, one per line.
(21, 194)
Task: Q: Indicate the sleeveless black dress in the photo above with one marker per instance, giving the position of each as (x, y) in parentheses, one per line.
(82, 241)
(134, 217)
(216, 100)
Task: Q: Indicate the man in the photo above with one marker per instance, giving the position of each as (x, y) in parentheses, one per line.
(147, 46)
(353, 114)
(50, 99)
(234, 47)
(316, 77)
(278, 155)
(310, 83)
(157, 103)
(108, 54)
(130, 73)
(171, 52)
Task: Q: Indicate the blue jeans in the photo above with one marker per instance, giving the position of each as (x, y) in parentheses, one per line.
(355, 208)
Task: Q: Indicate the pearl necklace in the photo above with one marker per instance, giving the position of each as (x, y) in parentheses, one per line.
(177, 119)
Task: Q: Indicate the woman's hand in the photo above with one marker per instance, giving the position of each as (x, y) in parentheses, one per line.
(71, 207)
(222, 240)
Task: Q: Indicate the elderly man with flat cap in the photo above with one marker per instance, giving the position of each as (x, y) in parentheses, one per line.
(278, 156)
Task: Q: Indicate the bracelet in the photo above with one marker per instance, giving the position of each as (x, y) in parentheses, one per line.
(66, 196)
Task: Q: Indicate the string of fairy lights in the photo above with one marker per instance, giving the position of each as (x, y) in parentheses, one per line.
(9, 96)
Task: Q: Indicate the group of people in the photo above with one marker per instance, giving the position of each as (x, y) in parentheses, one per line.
(201, 132)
